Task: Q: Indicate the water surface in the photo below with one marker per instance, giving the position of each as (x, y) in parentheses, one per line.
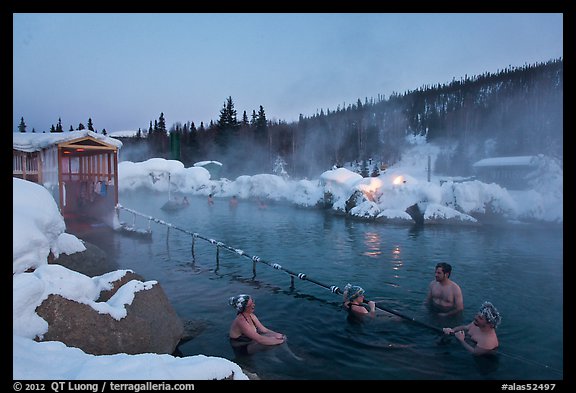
(518, 268)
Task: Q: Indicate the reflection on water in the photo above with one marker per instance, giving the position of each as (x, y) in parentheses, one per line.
(394, 264)
(372, 241)
(396, 259)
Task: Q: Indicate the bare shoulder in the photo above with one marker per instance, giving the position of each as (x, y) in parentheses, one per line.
(456, 286)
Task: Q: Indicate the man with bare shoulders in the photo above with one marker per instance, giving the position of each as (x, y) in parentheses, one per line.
(444, 295)
(479, 336)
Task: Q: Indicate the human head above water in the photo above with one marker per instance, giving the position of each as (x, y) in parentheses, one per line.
(351, 292)
(239, 302)
(446, 268)
(490, 314)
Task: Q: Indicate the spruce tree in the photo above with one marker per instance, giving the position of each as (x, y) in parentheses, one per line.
(22, 125)
(228, 119)
(161, 124)
(227, 123)
(260, 132)
(59, 126)
(261, 122)
(90, 125)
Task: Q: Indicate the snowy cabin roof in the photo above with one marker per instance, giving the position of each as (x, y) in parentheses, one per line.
(126, 134)
(341, 176)
(30, 141)
(506, 161)
(204, 163)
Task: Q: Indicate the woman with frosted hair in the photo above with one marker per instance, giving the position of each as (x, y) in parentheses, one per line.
(246, 331)
(354, 301)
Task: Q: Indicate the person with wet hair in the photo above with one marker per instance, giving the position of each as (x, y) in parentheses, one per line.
(354, 301)
(479, 336)
(233, 201)
(444, 295)
(246, 331)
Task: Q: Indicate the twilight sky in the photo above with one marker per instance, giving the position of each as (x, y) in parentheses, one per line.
(123, 70)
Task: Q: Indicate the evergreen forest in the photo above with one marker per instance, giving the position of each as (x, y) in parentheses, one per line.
(514, 111)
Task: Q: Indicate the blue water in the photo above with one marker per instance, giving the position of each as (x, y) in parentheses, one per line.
(518, 268)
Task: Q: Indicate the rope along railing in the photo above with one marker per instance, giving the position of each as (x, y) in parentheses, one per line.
(332, 288)
(302, 276)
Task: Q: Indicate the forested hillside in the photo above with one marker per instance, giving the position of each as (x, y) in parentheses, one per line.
(515, 111)
(511, 112)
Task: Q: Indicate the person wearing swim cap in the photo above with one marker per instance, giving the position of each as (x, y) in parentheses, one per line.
(354, 301)
(479, 336)
(246, 330)
(444, 295)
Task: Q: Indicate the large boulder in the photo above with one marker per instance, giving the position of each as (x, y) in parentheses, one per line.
(150, 326)
(92, 262)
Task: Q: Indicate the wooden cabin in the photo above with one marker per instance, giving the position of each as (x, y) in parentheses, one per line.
(79, 168)
(509, 172)
(213, 167)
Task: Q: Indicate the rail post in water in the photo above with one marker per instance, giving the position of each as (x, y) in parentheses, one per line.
(192, 248)
(255, 259)
(217, 257)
